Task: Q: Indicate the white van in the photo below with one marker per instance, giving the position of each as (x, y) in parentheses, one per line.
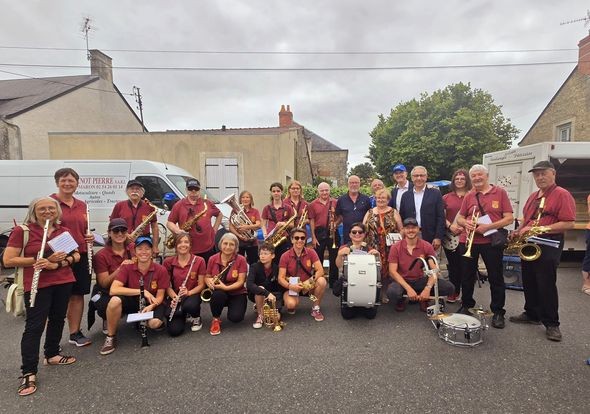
(102, 184)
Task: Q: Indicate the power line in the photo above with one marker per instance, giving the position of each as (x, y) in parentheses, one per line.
(297, 69)
(301, 52)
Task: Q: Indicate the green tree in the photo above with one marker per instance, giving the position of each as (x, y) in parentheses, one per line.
(364, 171)
(450, 129)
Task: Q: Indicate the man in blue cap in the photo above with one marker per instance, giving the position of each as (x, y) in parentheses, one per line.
(400, 177)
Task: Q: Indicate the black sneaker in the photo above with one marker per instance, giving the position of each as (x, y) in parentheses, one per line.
(524, 318)
(498, 321)
(464, 310)
(79, 339)
(553, 333)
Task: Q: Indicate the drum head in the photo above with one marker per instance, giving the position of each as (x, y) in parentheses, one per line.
(459, 320)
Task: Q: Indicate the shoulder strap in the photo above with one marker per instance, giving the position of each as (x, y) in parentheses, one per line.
(298, 264)
(483, 212)
(19, 274)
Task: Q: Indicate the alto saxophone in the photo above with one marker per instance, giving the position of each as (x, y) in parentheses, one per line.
(171, 240)
(139, 229)
(207, 293)
(279, 235)
(529, 251)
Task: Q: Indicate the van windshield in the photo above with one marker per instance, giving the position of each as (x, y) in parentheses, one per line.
(180, 182)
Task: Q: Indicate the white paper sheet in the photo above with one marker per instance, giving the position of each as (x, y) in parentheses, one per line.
(138, 317)
(485, 219)
(63, 243)
(293, 280)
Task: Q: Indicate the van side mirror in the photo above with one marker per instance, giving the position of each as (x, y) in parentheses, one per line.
(169, 200)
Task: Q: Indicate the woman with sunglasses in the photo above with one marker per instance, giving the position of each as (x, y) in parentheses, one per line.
(107, 263)
(274, 215)
(248, 246)
(185, 288)
(53, 289)
(296, 272)
(296, 201)
(226, 275)
(356, 245)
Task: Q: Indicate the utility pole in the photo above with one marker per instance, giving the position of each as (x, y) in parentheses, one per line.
(137, 96)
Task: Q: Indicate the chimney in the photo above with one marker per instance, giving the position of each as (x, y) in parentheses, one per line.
(101, 65)
(584, 56)
(285, 117)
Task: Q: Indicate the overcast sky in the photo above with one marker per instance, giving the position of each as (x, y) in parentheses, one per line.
(341, 106)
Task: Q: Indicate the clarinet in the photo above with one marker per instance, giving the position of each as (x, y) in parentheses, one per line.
(142, 324)
(177, 300)
(89, 244)
(35, 282)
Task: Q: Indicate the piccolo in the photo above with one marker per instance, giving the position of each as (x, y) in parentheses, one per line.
(35, 282)
(176, 301)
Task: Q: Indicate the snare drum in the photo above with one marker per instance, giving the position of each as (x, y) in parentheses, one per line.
(361, 284)
(460, 330)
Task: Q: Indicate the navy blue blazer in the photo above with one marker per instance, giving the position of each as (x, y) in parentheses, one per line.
(432, 213)
(394, 191)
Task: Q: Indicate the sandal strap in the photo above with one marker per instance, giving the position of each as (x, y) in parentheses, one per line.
(27, 382)
(64, 359)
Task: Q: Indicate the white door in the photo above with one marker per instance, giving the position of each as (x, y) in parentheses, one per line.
(221, 177)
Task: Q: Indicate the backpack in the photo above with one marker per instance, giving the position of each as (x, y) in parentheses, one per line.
(15, 296)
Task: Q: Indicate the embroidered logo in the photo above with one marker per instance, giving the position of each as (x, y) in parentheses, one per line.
(154, 285)
(308, 263)
(495, 204)
(193, 275)
(234, 273)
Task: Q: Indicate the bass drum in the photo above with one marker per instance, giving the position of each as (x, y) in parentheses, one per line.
(460, 330)
(361, 282)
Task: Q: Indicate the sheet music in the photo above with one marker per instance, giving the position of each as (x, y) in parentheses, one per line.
(63, 243)
(293, 280)
(138, 317)
(485, 219)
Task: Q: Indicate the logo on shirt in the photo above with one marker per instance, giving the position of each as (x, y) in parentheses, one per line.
(154, 285)
(234, 273)
(308, 263)
(495, 204)
(193, 275)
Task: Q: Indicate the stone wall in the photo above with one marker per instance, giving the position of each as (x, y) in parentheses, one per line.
(331, 164)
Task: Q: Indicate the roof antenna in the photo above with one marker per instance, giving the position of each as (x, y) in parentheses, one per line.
(585, 19)
(85, 28)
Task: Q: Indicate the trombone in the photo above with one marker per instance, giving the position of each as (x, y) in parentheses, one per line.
(471, 234)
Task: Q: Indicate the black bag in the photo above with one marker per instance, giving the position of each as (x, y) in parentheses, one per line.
(321, 233)
(500, 238)
(337, 287)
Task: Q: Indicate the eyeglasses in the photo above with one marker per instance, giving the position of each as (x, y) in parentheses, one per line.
(193, 189)
(357, 232)
(119, 230)
(298, 238)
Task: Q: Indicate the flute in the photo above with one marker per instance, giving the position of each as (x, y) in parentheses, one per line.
(89, 244)
(176, 301)
(35, 282)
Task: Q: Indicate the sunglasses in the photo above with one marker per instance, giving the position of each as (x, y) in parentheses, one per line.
(298, 238)
(357, 232)
(193, 189)
(119, 230)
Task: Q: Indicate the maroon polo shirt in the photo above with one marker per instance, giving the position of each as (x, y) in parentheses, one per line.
(297, 207)
(178, 272)
(106, 260)
(132, 215)
(318, 211)
(307, 259)
(559, 206)
(47, 277)
(214, 267)
(184, 210)
(155, 278)
(399, 254)
(495, 203)
(74, 218)
(283, 213)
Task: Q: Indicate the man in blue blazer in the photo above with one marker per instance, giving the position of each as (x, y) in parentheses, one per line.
(426, 206)
(400, 178)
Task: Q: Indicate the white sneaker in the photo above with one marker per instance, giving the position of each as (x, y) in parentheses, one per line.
(196, 324)
(258, 323)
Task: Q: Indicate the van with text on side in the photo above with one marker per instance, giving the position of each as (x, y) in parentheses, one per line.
(102, 184)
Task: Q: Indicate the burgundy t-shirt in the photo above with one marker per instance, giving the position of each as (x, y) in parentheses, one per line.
(74, 218)
(559, 206)
(204, 239)
(318, 211)
(133, 216)
(307, 259)
(399, 254)
(214, 267)
(155, 278)
(283, 213)
(46, 277)
(178, 272)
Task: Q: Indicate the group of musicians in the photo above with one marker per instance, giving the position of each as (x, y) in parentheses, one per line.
(396, 227)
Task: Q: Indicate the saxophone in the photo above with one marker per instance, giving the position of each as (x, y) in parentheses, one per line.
(520, 245)
(171, 240)
(139, 229)
(279, 235)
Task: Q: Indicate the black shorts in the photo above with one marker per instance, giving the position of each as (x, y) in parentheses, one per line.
(83, 278)
(101, 304)
(131, 305)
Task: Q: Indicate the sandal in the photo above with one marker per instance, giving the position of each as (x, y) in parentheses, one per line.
(63, 360)
(27, 383)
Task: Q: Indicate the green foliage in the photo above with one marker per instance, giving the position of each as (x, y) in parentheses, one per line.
(318, 180)
(364, 171)
(450, 129)
(310, 192)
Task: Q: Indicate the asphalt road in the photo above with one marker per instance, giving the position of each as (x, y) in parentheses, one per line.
(395, 363)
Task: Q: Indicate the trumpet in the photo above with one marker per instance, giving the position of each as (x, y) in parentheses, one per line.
(471, 234)
(332, 225)
(302, 219)
(271, 316)
(207, 293)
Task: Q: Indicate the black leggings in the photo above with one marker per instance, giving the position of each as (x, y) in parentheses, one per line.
(236, 305)
(51, 305)
(250, 253)
(190, 306)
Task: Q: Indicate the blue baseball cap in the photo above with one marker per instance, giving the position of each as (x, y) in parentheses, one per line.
(143, 239)
(399, 167)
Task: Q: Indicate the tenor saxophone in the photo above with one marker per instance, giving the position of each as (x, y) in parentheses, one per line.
(171, 240)
(139, 229)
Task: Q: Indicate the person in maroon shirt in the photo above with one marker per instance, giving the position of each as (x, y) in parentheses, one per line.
(75, 219)
(54, 288)
(135, 211)
(107, 263)
(274, 215)
(185, 287)
(125, 291)
(539, 277)
(296, 201)
(248, 246)
(460, 185)
(322, 212)
(493, 201)
(202, 233)
(411, 281)
(226, 275)
(301, 262)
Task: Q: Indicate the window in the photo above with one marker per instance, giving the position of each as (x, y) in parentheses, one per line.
(564, 132)
(155, 188)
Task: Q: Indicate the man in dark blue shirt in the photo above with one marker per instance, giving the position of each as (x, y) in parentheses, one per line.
(352, 206)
